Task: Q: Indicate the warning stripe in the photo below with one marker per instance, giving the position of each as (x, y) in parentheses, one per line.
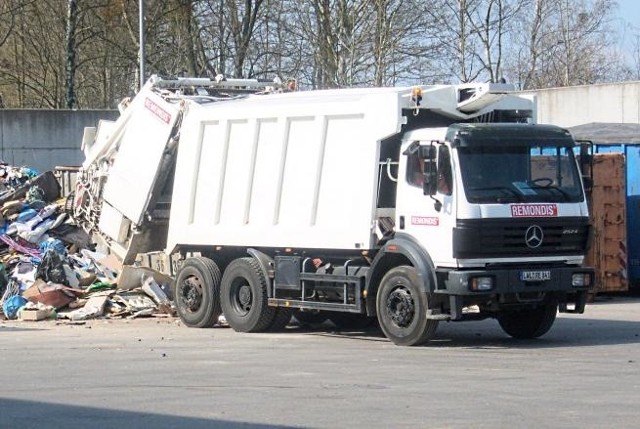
(622, 258)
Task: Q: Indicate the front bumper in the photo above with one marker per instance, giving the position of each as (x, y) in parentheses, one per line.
(508, 288)
(509, 280)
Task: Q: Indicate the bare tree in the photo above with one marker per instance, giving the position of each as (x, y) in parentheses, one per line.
(472, 36)
(403, 47)
(33, 63)
(528, 39)
(7, 20)
(564, 43)
(457, 40)
(89, 58)
(336, 30)
(635, 58)
(72, 18)
(226, 34)
(242, 23)
(491, 22)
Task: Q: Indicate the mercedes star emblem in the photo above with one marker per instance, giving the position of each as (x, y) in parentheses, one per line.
(533, 237)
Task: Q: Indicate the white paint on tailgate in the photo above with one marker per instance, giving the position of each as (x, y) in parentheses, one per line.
(133, 174)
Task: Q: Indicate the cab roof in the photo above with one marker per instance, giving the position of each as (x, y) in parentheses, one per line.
(508, 134)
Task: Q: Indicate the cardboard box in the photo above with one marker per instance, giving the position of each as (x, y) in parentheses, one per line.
(52, 294)
(33, 314)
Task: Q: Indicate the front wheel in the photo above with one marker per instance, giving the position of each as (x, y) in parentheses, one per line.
(402, 308)
(530, 322)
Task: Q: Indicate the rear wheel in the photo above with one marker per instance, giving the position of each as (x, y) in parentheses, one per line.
(402, 308)
(281, 319)
(196, 292)
(310, 318)
(530, 322)
(351, 320)
(243, 295)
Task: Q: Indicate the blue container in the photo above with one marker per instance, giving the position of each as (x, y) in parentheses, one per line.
(625, 139)
(632, 185)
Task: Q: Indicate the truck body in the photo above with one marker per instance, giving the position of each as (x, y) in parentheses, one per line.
(405, 205)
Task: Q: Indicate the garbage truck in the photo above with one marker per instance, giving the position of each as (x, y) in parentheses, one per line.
(406, 205)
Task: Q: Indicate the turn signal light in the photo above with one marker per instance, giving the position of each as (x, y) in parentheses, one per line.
(416, 95)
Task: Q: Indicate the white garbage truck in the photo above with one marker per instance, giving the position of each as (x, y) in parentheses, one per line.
(408, 206)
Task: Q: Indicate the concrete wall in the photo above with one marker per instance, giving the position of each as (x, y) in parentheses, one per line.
(577, 105)
(43, 139)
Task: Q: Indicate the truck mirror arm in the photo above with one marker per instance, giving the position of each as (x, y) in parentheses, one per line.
(436, 203)
(429, 188)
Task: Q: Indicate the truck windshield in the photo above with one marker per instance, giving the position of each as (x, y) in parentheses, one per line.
(499, 174)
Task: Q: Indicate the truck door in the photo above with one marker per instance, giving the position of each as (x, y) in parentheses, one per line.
(426, 167)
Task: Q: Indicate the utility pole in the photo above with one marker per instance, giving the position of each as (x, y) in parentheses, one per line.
(141, 40)
(72, 17)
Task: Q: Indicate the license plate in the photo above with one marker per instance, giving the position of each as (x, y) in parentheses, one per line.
(535, 276)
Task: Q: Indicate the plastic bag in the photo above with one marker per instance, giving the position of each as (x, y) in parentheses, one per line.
(12, 305)
(51, 268)
(55, 245)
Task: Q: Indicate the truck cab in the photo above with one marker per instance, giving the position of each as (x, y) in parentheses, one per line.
(499, 213)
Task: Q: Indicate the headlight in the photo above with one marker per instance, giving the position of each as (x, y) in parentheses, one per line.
(581, 280)
(481, 284)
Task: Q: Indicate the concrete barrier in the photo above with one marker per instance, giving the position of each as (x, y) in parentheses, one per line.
(44, 139)
(577, 105)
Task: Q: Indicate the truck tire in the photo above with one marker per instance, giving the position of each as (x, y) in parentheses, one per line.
(243, 295)
(196, 292)
(353, 321)
(281, 319)
(528, 323)
(402, 308)
(310, 318)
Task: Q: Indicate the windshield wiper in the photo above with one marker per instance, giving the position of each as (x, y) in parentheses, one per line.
(499, 199)
(565, 194)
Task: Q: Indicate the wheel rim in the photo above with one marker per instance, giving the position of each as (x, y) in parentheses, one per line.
(401, 307)
(241, 297)
(191, 294)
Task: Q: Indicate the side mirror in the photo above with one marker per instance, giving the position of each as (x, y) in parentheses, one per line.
(586, 149)
(587, 182)
(428, 153)
(430, 183)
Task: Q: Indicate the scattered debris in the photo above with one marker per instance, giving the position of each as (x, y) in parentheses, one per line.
(51, 294)
(93, 308)
(49, 267)
(35, 312)
(72, 323)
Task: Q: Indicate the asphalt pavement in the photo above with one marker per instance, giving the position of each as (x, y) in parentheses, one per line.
(156, 373)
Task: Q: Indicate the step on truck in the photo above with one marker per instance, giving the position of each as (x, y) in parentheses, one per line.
(409, 206)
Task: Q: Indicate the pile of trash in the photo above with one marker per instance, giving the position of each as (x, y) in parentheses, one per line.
(49, 267)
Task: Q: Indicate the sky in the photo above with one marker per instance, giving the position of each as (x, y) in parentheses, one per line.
(629, 13)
